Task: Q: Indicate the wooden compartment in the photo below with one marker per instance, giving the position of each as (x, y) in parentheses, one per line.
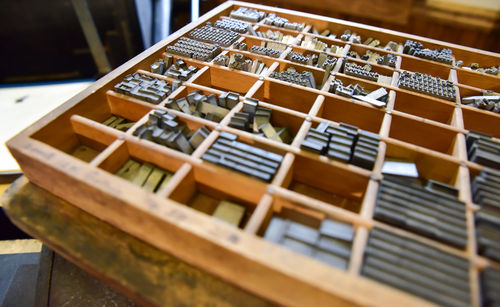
(479, 80)
(424, 106)
(133, 150)
(307, 188)
(432, 68)
(428, 166)
(481, 120)
(283, 118)
(283, 95)
(201, 190)
(410, 130)
(318, 73)
(264, 28)
(78, 137)
(342, 110)
(339, 186)
(223, 79)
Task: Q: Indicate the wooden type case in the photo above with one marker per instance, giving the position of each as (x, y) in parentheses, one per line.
(307, 188)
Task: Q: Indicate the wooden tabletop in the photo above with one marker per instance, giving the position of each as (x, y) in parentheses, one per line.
(138, 270)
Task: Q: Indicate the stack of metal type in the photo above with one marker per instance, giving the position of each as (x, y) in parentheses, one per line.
(205, 106)
(375, 58)
(233, 25)
(483, 149)
(118, 122)
(243, 158)
(343, 143)
(390, 46)
(364, 72)
(433, 210)
(490, 283)
(488, 102)
(272, 49)
(276, 36)
(376, 98)
(240, 46)
(144, 87)
(492, 70)
(306, 78)
(331, 243)
(191, 48)
(388, 60)
(257, 119)
(417, 268)
(164, 129)
(314, 43)
(281, 22)
(247, 14)
(145, 175)
(173, 68)
(486, 194)
(241, 62)
(444, 55)
(213, 35)
(323, 60)
(427, 84)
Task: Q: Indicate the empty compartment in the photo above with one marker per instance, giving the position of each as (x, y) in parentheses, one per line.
(432, 68)
(140, 165)
(479, 80)
(229, 199)
(423, 134)
(481, 120)
(424, 106)
(341, 110)
(338, 186)
(285, 96)
(81, 140)
(309, 232)
(222, 79)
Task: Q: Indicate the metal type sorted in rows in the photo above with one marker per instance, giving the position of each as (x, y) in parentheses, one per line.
(419, 269)
(417, 49)
(433, 210)
(247, 14)
(252, 161)
(191, 48)
(428, 85)
(486, 193)
(233, 25)
(343, 143)
(213, 35)
(483, 149)
(330, 244)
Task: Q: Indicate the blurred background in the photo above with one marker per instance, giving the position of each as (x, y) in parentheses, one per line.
(45, 40)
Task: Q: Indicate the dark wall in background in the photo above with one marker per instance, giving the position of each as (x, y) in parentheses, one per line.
(43, 40)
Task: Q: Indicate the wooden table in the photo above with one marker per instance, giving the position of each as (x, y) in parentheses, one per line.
(138, 270)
